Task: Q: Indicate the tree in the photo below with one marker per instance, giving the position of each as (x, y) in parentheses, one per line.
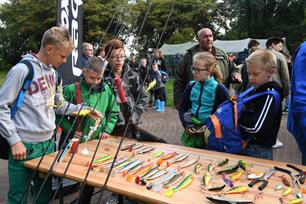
(23, 23)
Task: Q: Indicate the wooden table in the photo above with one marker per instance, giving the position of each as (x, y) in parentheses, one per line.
(192, 194)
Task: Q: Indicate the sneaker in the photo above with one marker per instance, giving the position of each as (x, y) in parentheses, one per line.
(113, 199)
(278, 144)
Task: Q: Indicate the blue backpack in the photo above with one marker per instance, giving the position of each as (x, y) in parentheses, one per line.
(222, 132)
(165, 76)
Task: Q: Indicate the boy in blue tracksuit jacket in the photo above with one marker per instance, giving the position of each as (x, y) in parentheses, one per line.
(201, 98)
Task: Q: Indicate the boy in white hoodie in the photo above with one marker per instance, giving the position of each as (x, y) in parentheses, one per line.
(30, 132)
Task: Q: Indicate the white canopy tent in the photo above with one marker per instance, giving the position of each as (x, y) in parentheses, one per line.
(229, 46)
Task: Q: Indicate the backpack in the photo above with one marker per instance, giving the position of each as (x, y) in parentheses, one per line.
(222, 132)
(4, 145)
(164, 76)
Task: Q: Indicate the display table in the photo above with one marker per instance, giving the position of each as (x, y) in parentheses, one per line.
(191, 194)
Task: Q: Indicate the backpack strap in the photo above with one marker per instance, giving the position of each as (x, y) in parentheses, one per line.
(275, 94)
(27, 82)
(78, 101)
(246, 92)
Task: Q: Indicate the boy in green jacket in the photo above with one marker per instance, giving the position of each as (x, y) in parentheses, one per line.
(93, 92)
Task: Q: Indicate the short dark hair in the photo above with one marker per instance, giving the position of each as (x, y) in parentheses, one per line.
(274, 40)
(253, 43)
(100, 49)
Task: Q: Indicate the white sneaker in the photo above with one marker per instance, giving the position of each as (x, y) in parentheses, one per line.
(278, 144)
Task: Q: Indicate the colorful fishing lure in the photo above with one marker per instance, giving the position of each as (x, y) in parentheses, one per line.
(210, 167)
(236, 175)
(243, 164)
(286, 191)
(179, 158)
(278, 187)
(206, 178)
(129, 165)
(128, 146)
(168, 156)
(219, 199)
(144, 169)
(157, 174)
(190, 162)
(101, 160)
(228, 182)
(223, 162)
(255, 175)
(137, 146)
(198, 167)
(176, 179)
(145, 150)
(186, 182)
(285, 180)
(167, 177)
(237, 189)
(216, 188)
(157, 154)
(229, 169)
(295, 201)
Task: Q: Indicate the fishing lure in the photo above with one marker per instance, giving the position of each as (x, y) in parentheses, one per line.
(157, 174)
(295, 201)
(223, 162)
(176, 179)
(198, 167)
(186, 182)
(236, 176)
(128, 146)
(210, 167)
(145, 150)
(255, 175)
(243, 164)
(144, 169)
(152, 171)
(101, 160)
(190, 162)
(227, 181)
(206, 178)
(120, 165)
(237, 189)
(219, 199)
(179, 158)
(137, 146)
(167, 177)
(285, 180)
(129, 165)
(168, 156)
(278, 187)
(286, 191)
(84, 112)
(216, 188)
(157, 154)
(229, 169)
(135, 168)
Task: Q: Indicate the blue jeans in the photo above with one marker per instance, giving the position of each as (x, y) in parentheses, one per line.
(259, 151)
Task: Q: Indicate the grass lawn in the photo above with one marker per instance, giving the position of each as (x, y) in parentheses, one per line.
(2, 77)
(169, 92)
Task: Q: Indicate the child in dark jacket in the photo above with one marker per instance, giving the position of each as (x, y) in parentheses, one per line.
(260, 119)
(201, 98)
(159, 88)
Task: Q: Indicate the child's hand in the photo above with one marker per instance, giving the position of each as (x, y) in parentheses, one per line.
(19, 151)
(201, 129)
(104, 135)
(95, 114)
(190, 131)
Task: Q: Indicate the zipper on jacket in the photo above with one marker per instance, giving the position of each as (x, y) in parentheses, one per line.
(201, 92)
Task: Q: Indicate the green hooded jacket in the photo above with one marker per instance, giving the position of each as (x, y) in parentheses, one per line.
(103, 101)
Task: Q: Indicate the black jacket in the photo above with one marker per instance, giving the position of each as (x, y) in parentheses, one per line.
(260, 118)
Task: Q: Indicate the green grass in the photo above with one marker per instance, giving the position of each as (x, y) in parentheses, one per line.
(2, 77)
(169, 92)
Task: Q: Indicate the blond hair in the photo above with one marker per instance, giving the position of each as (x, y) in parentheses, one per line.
(210, 63)
(265, 59)
(57, 36)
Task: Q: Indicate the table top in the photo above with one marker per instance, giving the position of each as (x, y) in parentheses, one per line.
(193, 193)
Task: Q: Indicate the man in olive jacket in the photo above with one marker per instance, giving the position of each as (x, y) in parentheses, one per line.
(183, 72)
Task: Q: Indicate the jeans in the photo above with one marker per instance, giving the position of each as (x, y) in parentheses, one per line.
(19, 175)
(259, 151)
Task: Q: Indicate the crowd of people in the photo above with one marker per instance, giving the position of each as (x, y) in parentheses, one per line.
(117, 91)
